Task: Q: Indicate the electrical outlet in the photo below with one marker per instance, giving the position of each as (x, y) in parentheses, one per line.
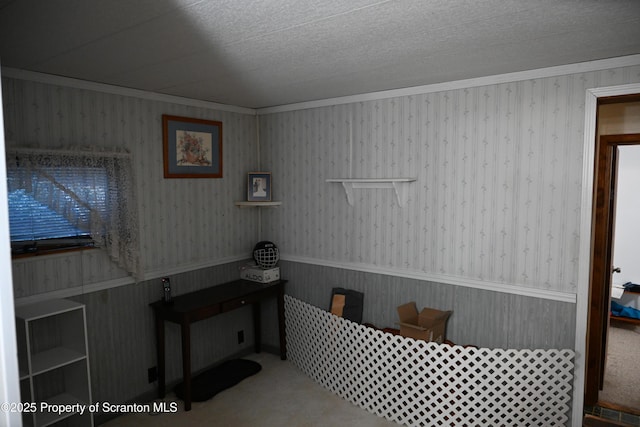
(240, 337)
(152, 374)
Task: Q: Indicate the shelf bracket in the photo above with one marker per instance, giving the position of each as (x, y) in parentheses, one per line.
(399, 185)
(348, 190)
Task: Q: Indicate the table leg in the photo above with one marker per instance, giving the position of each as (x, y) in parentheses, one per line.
(257, 326)
(186, 364)
(160, 355)
(281, 323)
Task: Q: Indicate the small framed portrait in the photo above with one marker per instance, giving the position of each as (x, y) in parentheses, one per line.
(192, 147)
(259, 187)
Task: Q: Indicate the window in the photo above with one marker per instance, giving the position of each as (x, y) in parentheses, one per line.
(51, 209)
(71, 199)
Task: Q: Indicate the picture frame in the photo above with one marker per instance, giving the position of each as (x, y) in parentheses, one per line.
(259, 187)
(192, 147)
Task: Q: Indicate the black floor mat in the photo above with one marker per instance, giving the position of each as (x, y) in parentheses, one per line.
(211, 382)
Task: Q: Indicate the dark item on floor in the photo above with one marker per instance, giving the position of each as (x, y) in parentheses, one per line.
(631, 287)
(594, 421)
(212, 381)
(623, 311)
(347, 303)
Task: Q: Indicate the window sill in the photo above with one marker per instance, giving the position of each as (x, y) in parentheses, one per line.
(42, 252)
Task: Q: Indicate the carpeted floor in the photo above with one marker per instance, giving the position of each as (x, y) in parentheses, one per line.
(282, 395)
(622, 373)
(279, 395)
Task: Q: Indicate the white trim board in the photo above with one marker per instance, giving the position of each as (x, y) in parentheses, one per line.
(581, 67)
(119, 90)
(440, 278)
(9, 370)
(77, 290)
(123, 281)
(561, 70)
(156, 274)
(584, 257)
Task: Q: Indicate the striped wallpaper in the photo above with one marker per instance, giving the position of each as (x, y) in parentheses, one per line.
(182, 221)
(496, 199)
(497, 195)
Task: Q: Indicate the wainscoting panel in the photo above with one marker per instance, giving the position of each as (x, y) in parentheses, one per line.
(482, 318)
(42, 274)
(121, 334)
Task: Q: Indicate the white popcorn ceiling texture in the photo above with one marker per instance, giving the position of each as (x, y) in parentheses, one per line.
(274, 52)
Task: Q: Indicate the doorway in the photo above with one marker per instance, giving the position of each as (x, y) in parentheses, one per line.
(605, 173)
(621, 376)
(582, 360)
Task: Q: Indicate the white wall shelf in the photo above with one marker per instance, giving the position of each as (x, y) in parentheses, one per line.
(399, 185)
(54, 359)
(258, 204)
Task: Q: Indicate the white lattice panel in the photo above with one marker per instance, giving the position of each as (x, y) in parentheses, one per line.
(420, 383)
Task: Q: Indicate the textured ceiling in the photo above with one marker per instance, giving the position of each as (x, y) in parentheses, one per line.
(264, 53)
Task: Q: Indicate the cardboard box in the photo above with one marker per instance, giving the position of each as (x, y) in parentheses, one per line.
(429, 325)
(262, 275)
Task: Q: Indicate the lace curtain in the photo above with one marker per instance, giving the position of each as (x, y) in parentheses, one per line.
(93, 188)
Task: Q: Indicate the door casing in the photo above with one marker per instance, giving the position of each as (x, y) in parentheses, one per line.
(601, 259)
(592, 97)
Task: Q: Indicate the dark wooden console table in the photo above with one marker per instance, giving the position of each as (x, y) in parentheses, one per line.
(203, 304)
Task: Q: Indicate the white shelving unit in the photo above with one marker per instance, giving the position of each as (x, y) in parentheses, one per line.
(53, 359)
(258, 204)
(399, 185)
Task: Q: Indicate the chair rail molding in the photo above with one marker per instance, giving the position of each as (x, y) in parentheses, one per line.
(508, 288)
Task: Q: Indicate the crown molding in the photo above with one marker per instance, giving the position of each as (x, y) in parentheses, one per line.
(539, 73)
(15, 73)
(581, 67)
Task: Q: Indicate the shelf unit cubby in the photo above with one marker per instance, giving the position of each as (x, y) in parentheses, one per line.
(53, 360)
